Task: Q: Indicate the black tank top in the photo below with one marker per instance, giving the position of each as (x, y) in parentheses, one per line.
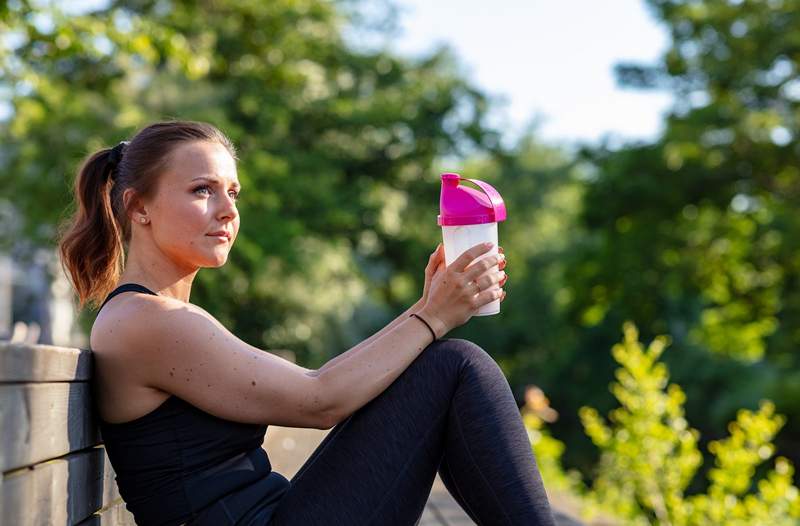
(178, 464)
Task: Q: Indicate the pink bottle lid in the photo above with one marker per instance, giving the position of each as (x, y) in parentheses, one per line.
(462, 205)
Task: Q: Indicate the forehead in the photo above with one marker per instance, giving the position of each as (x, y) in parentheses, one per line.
(202, 158)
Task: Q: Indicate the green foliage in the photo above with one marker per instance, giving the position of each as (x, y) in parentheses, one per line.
(727, 500)
(336, 147)
(649, 454)
(696, 234)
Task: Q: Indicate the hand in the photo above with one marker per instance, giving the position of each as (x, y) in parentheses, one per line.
(436, 264)
(457, 292)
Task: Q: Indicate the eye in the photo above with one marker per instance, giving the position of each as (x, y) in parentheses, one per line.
(208, 189)
(204, 187)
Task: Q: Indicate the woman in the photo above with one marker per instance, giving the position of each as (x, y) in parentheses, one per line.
(184, 404)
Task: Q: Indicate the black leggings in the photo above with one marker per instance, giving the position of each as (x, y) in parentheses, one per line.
(451, 410)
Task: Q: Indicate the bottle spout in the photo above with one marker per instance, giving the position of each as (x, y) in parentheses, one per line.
(450, 180)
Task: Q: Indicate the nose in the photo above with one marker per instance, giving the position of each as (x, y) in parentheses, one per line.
(228, 208)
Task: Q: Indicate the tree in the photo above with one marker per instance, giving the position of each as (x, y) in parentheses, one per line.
(696, 234)
(336, 145)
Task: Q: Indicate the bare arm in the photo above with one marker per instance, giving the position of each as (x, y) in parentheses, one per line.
(336, 359)
(360, 374)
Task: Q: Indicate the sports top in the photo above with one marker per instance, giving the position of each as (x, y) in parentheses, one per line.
(178, 464)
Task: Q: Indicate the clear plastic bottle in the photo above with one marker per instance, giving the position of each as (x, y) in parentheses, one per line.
(469, 217)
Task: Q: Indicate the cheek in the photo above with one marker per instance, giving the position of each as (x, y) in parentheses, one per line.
(184, 221)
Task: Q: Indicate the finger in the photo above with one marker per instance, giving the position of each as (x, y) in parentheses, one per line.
(489, 280)
(487, 296)
(466, 258)
(482, 266)
(436, 253)
(434, 259)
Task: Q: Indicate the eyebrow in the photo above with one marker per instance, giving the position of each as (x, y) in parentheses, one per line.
(215, 180)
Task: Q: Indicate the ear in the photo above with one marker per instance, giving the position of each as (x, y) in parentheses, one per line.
(134, 205)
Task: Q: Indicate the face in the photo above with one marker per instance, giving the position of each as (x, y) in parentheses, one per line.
(196, 197)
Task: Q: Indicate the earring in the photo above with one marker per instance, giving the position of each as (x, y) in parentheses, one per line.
(142, 220)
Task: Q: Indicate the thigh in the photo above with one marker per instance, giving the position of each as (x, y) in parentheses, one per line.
(378, 465)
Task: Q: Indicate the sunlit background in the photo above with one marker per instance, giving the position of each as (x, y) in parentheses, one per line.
(646, 151)
(546, 63)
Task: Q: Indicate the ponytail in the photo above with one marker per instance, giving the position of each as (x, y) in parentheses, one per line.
(91, 246)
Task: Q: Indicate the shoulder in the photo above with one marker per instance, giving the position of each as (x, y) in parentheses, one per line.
(130, 317)
(179, 348)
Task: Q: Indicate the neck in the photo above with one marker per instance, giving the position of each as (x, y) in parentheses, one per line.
(154, 270)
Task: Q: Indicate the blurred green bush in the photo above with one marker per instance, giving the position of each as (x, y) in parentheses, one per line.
(649, 454)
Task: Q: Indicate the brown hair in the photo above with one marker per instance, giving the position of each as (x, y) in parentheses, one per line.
(92, 243)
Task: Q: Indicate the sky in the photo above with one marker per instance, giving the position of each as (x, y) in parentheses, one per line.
(546, 60)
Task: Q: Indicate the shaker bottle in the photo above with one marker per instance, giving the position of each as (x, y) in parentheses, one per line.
(469, 217)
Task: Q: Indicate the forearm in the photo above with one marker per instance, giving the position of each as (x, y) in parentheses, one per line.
(365, 371)
(394, 323)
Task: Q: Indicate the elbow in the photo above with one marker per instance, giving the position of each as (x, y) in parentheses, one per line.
(336, 416)
(332, 415)
(328, 414)
(328, 420)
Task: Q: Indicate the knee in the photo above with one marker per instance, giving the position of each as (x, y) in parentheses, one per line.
(463, 352)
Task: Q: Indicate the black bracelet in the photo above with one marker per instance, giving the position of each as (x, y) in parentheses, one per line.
(426, 324)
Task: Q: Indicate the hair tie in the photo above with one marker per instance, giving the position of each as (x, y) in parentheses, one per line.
(426, 324)
(115, 156)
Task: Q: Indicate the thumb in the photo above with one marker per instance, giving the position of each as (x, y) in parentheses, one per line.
(435, 260)
(438, 255)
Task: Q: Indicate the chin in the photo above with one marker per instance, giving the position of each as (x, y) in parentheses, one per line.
(213, 261)
(219, 262)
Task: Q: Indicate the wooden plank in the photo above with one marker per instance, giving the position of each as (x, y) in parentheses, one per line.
(21, 362)
(116, 515)
(44, 421)
(61, 492)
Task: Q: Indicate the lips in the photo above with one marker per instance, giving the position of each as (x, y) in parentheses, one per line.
(222, 233)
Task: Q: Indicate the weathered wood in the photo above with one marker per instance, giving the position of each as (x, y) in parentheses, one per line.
(21, 362)
(43, 421)
(117, 515)
(61, 491)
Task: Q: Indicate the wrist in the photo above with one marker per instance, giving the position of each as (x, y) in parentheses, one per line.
(438, 326)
